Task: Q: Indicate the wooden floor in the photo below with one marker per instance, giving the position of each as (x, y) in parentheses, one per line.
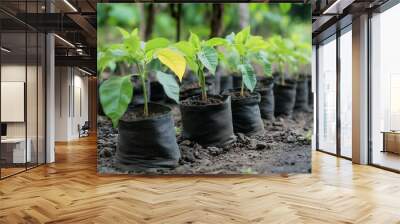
(70, 191)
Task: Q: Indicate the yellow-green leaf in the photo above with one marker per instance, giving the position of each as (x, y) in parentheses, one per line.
(173, 60)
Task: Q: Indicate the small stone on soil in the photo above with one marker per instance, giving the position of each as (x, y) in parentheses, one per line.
(290, 139)
(215, 151)
(186, 142)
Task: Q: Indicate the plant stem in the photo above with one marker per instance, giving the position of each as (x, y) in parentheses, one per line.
(146, 106)
(282, 74)
(202, 79)
(242, 86)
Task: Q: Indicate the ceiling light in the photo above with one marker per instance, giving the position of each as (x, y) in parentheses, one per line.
(5, 50)
(70, 5)
(65, 41)
(84, 71)
(337, 7)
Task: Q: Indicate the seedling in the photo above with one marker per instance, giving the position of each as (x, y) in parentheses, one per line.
(229, 61)
(249, 48)
(116, 92)
(301, 52)
(201, 54)
(281, 54)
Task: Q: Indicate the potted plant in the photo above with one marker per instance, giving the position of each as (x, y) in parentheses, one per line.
(206, 119)
(245, 101)
(146, 132)
(111, 60)
(229, 75)
(301, 67)
(284, 86)
(265, 86)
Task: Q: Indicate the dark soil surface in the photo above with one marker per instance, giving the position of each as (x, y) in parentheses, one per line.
(197, 101)
(285, 147)
(236, 95)
(138, 113)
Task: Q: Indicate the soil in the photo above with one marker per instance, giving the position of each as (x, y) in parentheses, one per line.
(138, 113)
(285, 147)
(236, 95)
(197, 101)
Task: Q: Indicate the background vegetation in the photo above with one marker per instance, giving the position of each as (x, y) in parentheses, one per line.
(206, 20)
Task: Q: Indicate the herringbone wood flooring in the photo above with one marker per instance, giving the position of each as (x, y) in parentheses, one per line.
(70, 191)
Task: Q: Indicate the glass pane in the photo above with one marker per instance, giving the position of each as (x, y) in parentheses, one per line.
(327, 97)
(346, 94)
(14, 153)
(31, 97)
(41, 99)
(386, 89)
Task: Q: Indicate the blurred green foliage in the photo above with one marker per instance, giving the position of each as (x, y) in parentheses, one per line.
(291, 22)
(265, 19)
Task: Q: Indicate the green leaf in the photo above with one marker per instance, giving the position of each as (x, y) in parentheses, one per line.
(102, 61)
(262, 59)
(106, 59)
(248, 76)
(216, 41)
(132, 43)
(135, 32)
(118, 52)
(115, 96)
(173, 60)
(169, 84)
(123, 32)
(208, 56)
(186, 48)
(242, 36)
(194, 40)
(192, 64)
(285, 7)
(255, 43)
(156, 43)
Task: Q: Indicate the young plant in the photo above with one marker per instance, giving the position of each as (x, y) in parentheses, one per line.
(301, 54)
(229, 61)
(280, 54)
(249, 48)
(116, 92)
(201, 55)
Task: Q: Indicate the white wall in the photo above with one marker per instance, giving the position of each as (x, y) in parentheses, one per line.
(71, 94)
(17, 73)
(33, 126)
(62, 81)
(12, 73)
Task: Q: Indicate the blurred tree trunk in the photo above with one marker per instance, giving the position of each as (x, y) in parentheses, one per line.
(244, 15)
(217, 20)
(178, 22)
(150, 11)
(142, 21)
(176, 11)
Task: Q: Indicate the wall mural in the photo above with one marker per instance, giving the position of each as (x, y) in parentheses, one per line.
(222, 92)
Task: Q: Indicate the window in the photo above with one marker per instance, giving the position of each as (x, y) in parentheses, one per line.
(327, 96)
(346, 93)
(385, 89)
(22, 101)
